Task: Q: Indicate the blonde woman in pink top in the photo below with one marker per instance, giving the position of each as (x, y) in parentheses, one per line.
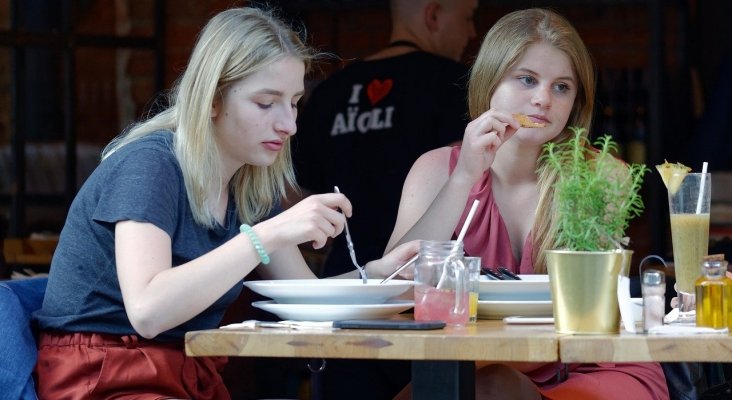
(531, 62)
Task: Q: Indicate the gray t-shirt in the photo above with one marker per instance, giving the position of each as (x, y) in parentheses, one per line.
(142, 182)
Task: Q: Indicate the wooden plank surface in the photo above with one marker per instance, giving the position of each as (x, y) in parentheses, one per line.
(628, 347)
(485, 340)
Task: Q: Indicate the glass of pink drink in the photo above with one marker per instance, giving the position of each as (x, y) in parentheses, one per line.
(441, 291)
(432, 304)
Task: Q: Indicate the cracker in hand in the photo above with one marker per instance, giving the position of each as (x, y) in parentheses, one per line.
(526, 122)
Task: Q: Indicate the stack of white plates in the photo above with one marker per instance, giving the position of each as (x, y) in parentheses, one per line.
(528, 297)
(331, 299)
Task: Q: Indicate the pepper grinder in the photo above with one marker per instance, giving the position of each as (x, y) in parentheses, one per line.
(653, 287)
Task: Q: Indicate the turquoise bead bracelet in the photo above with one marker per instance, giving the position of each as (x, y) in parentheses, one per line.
(246, 229)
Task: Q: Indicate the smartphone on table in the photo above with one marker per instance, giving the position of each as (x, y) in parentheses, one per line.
(388, 324)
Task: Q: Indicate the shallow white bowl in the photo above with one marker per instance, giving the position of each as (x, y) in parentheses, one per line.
(488, 309)
(334, 312)
(529, 288)
(329, 291)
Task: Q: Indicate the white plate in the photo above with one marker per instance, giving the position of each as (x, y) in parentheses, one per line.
(530, 287)
(334, 312)
(519, 320)
(488, 309)
(329, 291)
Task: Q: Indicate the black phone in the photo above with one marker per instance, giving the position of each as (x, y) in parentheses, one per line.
(388, 324)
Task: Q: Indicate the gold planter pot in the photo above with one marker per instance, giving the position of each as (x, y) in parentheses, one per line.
(584, 289)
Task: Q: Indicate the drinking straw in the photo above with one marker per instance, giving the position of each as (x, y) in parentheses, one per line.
(460, 237)
(701, 187)
(466, 223)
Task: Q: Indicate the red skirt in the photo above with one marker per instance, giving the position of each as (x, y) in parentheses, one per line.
(602, 381)
(98, 366)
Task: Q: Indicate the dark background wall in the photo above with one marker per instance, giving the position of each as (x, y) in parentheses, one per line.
(74, 73)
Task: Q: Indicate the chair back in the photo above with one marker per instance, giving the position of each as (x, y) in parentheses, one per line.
(29, 251)
(18, 300)
(30, 256)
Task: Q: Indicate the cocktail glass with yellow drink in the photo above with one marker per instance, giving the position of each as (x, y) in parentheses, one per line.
(689, 201)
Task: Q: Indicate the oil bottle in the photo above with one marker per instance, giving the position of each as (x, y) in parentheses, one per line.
(714, 296)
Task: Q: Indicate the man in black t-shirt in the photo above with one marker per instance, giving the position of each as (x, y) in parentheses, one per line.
(363, 128)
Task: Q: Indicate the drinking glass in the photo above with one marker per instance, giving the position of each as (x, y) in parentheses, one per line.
(441, 283)
(689, 210)
(473, 264)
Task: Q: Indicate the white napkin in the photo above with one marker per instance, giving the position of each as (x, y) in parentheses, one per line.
(672, 316)
(684, 329)
(300, 325)
(626, 306)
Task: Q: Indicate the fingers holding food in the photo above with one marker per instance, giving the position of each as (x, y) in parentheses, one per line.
(527, 122)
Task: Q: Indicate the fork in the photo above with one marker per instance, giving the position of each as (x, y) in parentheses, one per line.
(352, 251)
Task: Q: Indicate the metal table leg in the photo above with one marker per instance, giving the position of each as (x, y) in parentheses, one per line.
(438, 380)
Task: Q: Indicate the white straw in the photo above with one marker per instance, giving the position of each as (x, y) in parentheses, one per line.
(455, 247)
(466, 224)
(464, 229)
(701, 187)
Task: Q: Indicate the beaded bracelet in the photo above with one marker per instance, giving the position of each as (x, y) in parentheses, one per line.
(244, 228)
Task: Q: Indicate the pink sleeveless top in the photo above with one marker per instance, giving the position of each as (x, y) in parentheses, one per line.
(487, 236)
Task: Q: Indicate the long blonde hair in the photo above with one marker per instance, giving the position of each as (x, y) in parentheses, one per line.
(233, 45)
(502, 47)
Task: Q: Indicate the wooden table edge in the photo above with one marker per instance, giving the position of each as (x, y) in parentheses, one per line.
(370, 344)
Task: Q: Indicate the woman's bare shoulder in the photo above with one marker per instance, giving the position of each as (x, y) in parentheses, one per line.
(434, 159)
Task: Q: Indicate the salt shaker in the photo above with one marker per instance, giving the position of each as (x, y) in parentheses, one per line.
(653, 287)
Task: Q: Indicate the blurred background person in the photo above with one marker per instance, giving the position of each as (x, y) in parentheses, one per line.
(363, 128)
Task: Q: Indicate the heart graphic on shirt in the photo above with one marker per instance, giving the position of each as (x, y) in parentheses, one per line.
(377, 89)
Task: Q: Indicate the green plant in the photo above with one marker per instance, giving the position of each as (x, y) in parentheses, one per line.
(596, 195)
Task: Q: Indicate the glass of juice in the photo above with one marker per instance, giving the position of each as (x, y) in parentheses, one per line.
(689, 209)
(473, 264)
(441, 290)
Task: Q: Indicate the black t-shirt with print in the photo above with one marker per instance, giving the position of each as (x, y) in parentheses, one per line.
(363, 128)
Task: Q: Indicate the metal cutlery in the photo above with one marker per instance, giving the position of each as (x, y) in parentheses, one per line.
(508, 274)
(398, 270)
(352, 251)
(491, 275)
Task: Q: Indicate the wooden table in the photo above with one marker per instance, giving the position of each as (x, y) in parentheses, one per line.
(628, 347)
(442, 360)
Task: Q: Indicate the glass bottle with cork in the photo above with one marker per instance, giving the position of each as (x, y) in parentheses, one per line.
(714, 294)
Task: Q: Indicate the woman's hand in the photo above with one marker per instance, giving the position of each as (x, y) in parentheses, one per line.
(392, 260)
(483, 137)
(314, 219)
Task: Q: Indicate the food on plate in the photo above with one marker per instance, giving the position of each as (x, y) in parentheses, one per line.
(672, 175)
(526, 122)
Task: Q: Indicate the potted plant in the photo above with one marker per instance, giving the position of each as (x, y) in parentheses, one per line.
(595, 197)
